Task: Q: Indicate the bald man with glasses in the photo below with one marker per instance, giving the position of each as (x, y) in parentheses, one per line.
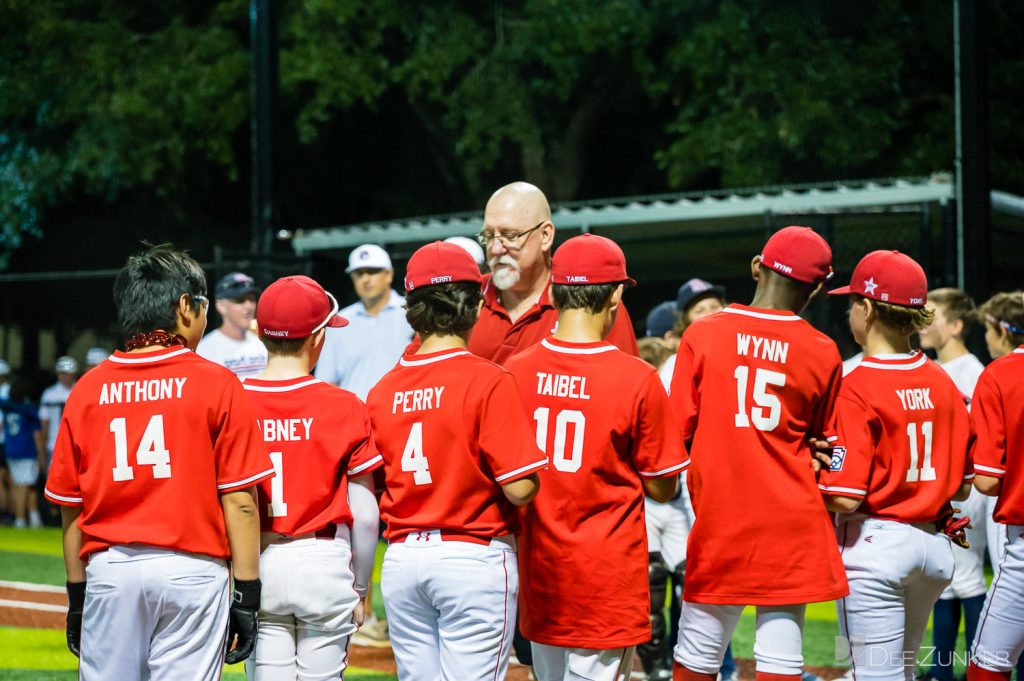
(518, 236)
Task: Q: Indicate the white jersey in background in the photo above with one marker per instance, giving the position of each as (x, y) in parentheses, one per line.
(246, 357)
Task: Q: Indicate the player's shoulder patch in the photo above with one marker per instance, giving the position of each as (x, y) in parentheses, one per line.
(838, 457)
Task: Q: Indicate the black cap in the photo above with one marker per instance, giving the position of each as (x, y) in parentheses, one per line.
(696, 289)
(661, 319)
(235, 285)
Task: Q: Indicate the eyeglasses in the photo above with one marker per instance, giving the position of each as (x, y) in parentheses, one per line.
(510, 240)
(202, 300)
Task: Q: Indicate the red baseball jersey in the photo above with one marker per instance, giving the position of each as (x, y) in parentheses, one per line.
(907, 438)
(998, 415)
(148, 443)
(452, 429)
(497, 338)
(317, 436)
(750, 386)
(603, 418)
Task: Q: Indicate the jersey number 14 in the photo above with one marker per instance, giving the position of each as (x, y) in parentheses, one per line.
(150, 452)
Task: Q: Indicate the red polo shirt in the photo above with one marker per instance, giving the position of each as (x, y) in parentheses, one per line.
(497, 338)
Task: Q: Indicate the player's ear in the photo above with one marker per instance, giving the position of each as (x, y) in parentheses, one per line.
(957, 326)
(816, 291)
(616, 298)
(755, 267)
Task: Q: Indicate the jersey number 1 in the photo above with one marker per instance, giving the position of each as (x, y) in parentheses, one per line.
(150, 452)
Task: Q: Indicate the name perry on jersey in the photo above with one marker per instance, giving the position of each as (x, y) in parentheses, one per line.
(420, 399)
(765, 348)
(123, 392)
(561, 385)
(915, 398)
(284, 430)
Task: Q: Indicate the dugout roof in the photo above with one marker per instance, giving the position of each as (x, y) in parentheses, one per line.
(695, 213)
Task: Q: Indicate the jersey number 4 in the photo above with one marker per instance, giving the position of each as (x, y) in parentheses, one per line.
(413, 459)
(768, 412)
(150, 452)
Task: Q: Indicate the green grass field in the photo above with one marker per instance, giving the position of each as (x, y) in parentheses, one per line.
(34, 556)
(41, 654)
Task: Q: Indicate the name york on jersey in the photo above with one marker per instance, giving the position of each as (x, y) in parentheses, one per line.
(915, 398)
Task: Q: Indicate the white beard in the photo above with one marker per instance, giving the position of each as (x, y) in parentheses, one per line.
(504, 278)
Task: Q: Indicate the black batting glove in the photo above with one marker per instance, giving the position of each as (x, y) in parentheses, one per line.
(243, 620)
(76, 605)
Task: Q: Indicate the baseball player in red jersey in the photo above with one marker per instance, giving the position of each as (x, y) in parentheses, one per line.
(906, 440)
(459, 456)
(318, 438)
(155, 467)
(752, 384)
(605, 422)
(998, 415)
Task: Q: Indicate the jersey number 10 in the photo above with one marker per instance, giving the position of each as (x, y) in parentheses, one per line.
(565, 417)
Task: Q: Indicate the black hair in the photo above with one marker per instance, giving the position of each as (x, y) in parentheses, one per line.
(444, 309)
(148, 287)
(591, 297)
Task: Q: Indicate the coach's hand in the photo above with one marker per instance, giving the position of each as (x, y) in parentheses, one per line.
(76, 605)
(243, 620)
(821, 454)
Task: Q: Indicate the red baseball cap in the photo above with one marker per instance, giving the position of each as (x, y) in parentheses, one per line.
(888, 276)
(799, 253)
(589, 259)
(296, 307)
(440, 263)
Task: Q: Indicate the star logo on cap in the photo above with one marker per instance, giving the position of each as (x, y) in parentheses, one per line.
(870, 285)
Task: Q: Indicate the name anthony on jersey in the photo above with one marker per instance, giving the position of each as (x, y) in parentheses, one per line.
(560, 385)
(765, 348)
(123, 392)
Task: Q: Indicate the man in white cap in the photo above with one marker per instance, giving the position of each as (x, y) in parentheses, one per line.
(51, 405)
(471, 247)
(94, 357)
(234, 345)
(355, 357)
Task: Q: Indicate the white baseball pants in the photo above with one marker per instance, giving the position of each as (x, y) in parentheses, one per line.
(153, 614)
(705, 631)
(554, 663)
(306, 609)
(1000, 638)
(896, 573)
(668, 527)
(996, 536)
(451, 607)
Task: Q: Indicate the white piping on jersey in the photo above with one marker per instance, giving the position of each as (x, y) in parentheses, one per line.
(968, 476)
(895, 367)
(362, 467)
(30, 586)
(670, 469)
(430, 360)
(45, 607)
(58, 497)
(861, 492)
(784, 317)
(989, 469)
(506, 476)
(832, 438)
(1019, 351)
(279, 388)
(144, 360)
(577, 351)
(242, 483)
